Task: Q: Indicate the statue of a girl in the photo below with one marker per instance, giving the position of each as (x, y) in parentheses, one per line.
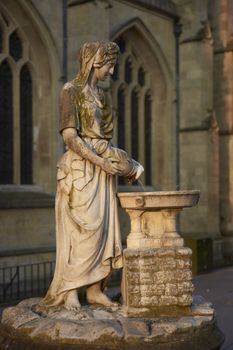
(87, 228)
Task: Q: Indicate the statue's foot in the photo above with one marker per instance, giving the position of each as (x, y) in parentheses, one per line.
(101, 299)
(96, 296)
(71, 301)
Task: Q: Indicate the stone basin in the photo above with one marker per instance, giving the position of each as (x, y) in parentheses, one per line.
(159, 200)
(153, 216)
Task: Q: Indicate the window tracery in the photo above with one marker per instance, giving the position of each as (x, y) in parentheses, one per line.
(16, 112)
(132, 94)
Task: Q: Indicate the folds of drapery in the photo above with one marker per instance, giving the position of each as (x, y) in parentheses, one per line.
(88, 241)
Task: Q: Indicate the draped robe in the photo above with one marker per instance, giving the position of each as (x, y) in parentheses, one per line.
(88, 240)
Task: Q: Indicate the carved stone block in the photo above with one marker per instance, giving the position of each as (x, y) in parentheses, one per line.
(157, 277)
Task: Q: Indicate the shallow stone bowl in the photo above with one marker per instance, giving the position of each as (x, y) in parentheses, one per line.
(159, 200)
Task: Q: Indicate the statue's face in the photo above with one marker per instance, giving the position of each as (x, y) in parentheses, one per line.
(103, 72)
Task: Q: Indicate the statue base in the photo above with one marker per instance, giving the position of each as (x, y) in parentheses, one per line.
(31, 325)
(157, 279)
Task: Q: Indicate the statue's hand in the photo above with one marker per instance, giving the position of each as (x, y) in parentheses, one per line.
(111, 166)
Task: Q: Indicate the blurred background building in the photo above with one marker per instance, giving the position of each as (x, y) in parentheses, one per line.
(172, 96)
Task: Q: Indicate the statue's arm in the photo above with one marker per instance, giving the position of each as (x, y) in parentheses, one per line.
(77, 145)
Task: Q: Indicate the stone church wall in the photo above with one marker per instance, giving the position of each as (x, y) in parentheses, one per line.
(206, 122)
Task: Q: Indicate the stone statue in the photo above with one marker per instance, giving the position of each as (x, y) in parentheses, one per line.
(87, 228)
(159, 309)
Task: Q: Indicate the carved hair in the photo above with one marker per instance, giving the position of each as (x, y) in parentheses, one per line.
(95, 54)
(107, 53)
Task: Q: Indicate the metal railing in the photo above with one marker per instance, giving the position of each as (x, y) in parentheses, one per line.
(25, 281)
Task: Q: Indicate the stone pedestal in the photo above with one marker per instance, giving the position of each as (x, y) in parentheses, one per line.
(157, 267)
(30, 325)
(157, 278)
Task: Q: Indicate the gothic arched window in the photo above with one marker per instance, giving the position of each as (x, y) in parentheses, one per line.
(16, 48)
(121, 122)
(25, 126)
(148, 126)
(15, 110)
(121, 44)
(128, 70)
(121, 118)
(132, 90)
(115, 73)
(134, 124)
(1, 39)
(6, 124)
(141, 76)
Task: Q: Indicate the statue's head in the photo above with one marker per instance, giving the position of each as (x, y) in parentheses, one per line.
(100, 56)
